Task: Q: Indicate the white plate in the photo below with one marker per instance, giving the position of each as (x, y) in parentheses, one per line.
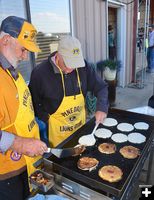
(141, 126)
(119, 137)
(103, 133)
(126, 127)
(136, 138)
(110, 122)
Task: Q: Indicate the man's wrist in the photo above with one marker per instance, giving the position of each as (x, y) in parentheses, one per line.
(17, 144)
(7, 139)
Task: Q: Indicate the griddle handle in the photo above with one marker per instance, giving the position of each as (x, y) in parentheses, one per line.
(38, 163)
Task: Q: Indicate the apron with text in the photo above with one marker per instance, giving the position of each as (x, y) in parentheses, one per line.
(69, 116)
(25, 123)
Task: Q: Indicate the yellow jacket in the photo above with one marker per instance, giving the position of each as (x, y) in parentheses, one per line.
(8, 111)
(16, 116)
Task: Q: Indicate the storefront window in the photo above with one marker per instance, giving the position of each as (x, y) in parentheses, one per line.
(52, 20)
(16, 7)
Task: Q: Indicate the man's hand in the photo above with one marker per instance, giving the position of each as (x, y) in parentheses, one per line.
(100, 116)
(28, 146)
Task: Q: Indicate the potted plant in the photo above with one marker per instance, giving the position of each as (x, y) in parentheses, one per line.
(109, 68)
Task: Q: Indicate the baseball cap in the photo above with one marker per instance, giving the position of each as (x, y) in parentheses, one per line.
(70, 49)
(22, 30)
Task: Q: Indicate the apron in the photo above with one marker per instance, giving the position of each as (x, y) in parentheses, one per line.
(69, 116)
(24, 123)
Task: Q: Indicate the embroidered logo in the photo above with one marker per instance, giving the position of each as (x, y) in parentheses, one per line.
(76, 51)
(15, 156)
(29, 35)
(33, 35)
(26, 35)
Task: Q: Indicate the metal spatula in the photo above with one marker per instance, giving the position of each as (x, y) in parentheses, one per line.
(66, 152)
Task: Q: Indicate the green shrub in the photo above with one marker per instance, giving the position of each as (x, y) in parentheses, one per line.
(112, 64)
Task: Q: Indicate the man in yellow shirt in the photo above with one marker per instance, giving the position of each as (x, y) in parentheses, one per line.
(20, 146)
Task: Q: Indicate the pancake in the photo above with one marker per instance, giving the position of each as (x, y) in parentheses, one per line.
(141, 126)
(110, 122)
(87, 163)
(110, 173)
(136, 138)
(119, 137)
(107, 148)
(129, 152)
(125, 127)
(79, 149)
(103, 133)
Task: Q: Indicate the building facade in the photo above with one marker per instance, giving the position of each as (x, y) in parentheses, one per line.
(88, 20)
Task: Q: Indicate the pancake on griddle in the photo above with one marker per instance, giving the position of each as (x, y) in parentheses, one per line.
(119, 137)
(141, 126)
(107, 148)
(136, 138)
(125, 127)
(110, 173)
(87, 163)
(110, 122)
(129, 152)
(103, 133)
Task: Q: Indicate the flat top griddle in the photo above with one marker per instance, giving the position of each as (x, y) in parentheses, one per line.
(68, 166)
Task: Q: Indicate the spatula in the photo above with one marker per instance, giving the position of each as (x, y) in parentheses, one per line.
(66, 152)
(88, 140)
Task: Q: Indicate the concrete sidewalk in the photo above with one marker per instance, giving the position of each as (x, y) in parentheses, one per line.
(132, 97)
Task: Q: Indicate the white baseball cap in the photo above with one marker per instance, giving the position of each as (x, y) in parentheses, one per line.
(70, 49)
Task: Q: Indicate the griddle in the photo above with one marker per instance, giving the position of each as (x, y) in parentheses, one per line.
(68, 167)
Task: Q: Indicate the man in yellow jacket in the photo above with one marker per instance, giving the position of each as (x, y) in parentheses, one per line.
(20, 146)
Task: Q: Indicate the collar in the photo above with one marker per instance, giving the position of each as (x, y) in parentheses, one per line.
(55, 67)
(52, 60)
(53, 63)
(6, 65)
(4, 62)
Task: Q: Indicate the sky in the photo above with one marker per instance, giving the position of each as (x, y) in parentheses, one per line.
(50, 16)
